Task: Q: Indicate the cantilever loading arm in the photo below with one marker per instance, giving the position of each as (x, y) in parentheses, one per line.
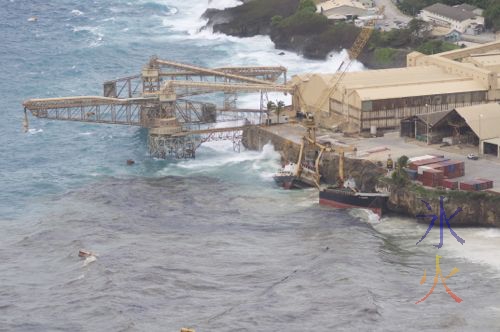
(208, 87)
(214, 72)
(82, 101)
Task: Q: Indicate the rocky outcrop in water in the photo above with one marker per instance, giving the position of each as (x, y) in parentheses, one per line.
(250, 19)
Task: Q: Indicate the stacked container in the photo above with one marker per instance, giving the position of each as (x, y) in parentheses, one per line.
(412, 174)
(432, 177)
(450, 184)
(485, 184)
(476, 185)
(414, 165)
(451, 168)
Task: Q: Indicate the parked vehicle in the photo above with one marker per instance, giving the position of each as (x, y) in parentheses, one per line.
(472, 156)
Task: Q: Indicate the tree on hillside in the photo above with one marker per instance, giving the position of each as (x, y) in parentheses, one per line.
(308, 5)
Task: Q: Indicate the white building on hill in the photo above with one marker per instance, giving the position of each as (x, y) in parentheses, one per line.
(345, 9)
(462, 18)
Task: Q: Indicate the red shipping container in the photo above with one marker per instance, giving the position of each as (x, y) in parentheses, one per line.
(485, 183)
(451, 168)
(469, 185)
(414, 165)
(450, 184)
(432, 177)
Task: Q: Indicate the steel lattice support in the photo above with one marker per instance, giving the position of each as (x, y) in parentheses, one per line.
(164, 146)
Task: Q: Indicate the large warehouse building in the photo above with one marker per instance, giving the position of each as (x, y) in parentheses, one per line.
(381, 98)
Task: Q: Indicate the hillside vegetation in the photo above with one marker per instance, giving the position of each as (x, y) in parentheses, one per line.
(299, 28)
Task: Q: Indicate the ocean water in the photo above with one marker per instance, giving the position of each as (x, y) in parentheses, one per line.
(209, 243)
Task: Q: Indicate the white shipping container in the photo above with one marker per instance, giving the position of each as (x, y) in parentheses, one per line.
(421, 169)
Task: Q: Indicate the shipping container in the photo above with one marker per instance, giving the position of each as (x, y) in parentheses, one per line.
(450, 184)
(472, 185)
(451, 168)
(416, 164)
(412, 174)
(485, 183)
(432, 178)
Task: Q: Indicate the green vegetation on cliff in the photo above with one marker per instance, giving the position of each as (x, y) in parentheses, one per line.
(436, 46)
(254, 17)
(294, 25)
(491, 8)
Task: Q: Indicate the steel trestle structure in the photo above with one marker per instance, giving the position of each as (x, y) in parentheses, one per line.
(161, 100)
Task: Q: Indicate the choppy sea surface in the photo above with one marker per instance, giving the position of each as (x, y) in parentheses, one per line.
(209, 243)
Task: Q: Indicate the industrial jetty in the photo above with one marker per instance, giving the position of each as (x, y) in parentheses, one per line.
(450, 97)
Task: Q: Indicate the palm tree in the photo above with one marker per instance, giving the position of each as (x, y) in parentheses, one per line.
(271, 106)
(279, 107)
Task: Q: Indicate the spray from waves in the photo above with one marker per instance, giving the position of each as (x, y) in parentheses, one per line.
(481, 245)
(365, 215)
(217, 158)
(257, 50)
(189, 19)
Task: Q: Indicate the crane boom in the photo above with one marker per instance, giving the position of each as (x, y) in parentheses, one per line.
(354, 52)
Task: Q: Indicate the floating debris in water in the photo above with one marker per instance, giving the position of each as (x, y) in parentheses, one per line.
(130, 162)
(84, 253)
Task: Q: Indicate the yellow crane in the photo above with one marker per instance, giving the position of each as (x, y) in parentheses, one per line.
(353, 53)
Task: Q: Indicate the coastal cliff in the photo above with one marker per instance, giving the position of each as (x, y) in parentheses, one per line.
(295, 26)
(479, 209)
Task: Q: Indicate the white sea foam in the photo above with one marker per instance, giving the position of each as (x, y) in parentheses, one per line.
(214, 156)
(34, 131)
(366, 215)
(481, 245)
(257, 50)
(76, 12)
(97, 35)
(89, 260)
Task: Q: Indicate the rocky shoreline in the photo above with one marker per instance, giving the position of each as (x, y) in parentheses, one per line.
(253, 18)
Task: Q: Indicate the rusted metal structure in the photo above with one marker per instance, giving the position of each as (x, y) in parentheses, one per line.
(164, 98)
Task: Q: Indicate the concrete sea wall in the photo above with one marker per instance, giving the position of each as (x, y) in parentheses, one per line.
(364, 172)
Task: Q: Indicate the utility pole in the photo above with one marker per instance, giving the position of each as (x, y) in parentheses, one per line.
(480, 145)
(427, 110)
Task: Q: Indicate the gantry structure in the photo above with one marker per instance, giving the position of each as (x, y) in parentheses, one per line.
(169, 99)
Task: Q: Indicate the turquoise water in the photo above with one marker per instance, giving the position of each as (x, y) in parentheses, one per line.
(210, 243)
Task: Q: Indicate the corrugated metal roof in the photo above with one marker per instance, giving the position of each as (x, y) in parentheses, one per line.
(487, 59)
(396, 77)
(423, 89)
(433, 118)
(495, 141)
(345, 10)
(483, 119)
(466, 7)
(449, 12)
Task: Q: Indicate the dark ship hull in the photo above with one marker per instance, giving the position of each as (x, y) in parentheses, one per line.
(347, 199)
(292, 182)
